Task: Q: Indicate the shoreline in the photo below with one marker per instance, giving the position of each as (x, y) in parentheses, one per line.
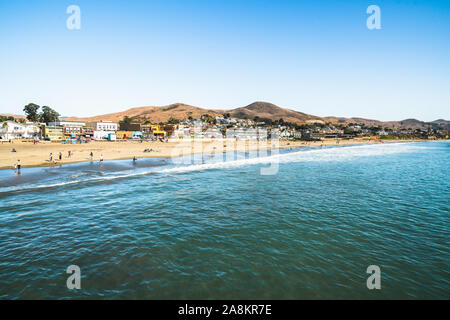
(37, 155)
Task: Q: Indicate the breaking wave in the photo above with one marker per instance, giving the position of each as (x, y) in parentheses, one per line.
(341, 153)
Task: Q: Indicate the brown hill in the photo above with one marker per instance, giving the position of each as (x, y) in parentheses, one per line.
(259, 109)
(271, 111)
(15, 116)
(153, 114)
(182, 111)
(404, 124)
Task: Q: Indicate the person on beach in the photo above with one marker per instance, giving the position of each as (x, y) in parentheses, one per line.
(17, 168)
(101, 158)
(69, 154)
(60, 156)
(51, 157)
(92, 156)
(134, 159)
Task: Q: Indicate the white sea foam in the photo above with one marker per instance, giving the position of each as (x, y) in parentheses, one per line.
(344, 153)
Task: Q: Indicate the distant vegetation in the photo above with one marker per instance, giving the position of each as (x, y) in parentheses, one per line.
(6, 118)
(46, 115)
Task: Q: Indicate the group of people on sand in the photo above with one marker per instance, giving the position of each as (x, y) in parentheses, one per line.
(69, 155)
(91, 155)
(18, 164)
(50, 158)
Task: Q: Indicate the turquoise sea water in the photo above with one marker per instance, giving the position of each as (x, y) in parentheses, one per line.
(212, 230)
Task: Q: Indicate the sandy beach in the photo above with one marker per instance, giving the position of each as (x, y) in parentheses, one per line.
(34, 155)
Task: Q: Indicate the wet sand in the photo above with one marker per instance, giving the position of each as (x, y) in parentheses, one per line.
(34, 155)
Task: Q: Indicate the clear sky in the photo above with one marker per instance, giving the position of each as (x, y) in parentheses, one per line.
(317, 57)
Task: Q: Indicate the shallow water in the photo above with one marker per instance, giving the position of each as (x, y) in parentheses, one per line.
(219, 229)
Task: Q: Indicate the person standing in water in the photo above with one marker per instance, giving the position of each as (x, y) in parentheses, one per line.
(92, 156)
(18, 165)
(101, 158)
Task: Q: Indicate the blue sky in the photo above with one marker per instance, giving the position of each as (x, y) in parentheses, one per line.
(316, 57)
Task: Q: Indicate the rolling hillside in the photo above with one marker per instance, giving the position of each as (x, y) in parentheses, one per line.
(181, 111)
(259, 109)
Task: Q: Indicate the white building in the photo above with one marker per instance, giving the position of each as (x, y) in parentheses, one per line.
(103, 126)
(67, 123)
(104, 135)
(14, 130)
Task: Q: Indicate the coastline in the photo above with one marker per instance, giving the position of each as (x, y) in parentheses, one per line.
(37, 155)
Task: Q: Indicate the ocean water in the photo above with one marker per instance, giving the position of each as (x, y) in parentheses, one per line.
(219, 229)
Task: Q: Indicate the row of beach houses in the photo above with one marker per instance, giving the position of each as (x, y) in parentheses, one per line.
(62, 130)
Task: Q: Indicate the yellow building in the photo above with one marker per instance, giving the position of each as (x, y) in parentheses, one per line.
(54, 133)
(124, 134)
(152, 130)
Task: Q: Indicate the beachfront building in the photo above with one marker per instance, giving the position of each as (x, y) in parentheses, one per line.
(13, 130)
(246, 133)
(181, 132)
(123, 126)
(70, 128)
(88, 132)
(67, 123)
(196, 132)
(212, 133)
(169, 129)
(55, 133)
(152, 130)
(124, 135)
(103, 126)
(102, 130)
(104, 135)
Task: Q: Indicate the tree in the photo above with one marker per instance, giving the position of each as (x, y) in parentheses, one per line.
(5, 126)
(48, 115)
(127, 119)
(348, 131)
(173, 120)
(31, 111)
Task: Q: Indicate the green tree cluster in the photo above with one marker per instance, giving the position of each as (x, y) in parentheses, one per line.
(46, 115)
